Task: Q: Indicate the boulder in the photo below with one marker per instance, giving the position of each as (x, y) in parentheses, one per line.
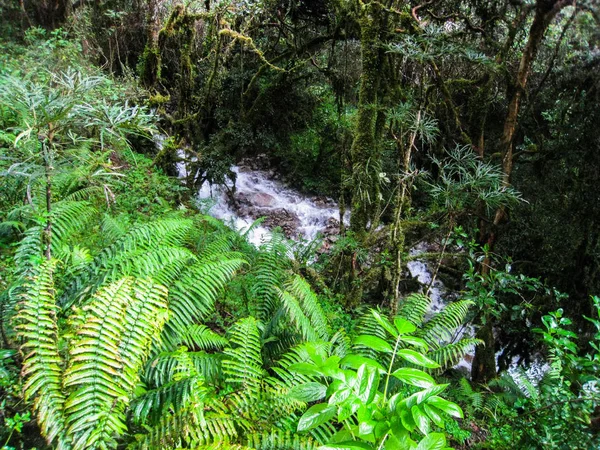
(261, 200)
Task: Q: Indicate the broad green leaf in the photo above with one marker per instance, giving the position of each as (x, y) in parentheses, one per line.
(433, 415)
(315, 416)
(417, 358)
(368, 382)
(421, 396)
(340, 396)
(433, 441)
(306, 369)
(374, 343)
(308, 392)
(414, 377)
(404, 326)
(355, 361)
(402, 442)
(385, 323)
(444, 405)
(365, 429)
(415, 341)
(407, 419)
(420, 419)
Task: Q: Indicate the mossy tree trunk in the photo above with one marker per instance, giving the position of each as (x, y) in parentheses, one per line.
(365, 150)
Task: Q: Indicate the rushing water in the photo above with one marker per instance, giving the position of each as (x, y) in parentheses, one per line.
(262, 194)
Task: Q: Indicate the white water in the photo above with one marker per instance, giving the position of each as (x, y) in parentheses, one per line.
(273, 197)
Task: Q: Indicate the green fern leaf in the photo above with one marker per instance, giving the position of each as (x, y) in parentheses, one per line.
(42, 369)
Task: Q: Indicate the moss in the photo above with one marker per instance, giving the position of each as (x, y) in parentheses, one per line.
(157, 100)
(149, 66)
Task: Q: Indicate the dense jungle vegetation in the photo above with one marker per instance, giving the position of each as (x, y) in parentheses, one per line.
(130, 318)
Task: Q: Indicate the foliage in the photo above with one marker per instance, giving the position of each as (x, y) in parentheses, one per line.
(554, 408)
(370, 416)
(128, 320)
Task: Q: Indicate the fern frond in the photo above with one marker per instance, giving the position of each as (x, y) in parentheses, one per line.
(200, 337)
(414, 307)
(276, 440)
(175, 395)
(68, 217)
(42, 366)
(29, 250)
(441, 327)
(165, 232)
(192, 297)
(297, 316)
(164, 367)
(243, 364)
(309, 302)
(269, 272)
(449, 355)
(341, 343)
(199, 424)
(123, 257)
(83, 194)
(109, 350)
(113, 227)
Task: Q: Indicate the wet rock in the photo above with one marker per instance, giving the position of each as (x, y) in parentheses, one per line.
(331, 234)
(288, 221)
(262, 200)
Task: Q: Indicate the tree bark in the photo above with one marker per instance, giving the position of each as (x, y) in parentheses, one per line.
(364, 152)
(484, 363)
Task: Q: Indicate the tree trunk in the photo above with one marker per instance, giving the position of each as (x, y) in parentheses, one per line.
(484, 364)
(364, 152)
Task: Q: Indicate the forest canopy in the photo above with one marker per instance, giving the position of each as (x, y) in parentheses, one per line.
(299, 224)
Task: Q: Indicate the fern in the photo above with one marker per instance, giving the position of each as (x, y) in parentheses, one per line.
(276, 440)
(174, 395)
(192, 296)
(164, 367)
(295, 314)
(441, 327)
(201, 337)
(243, 365)
(449, 355)
(69, 217)
(108, 352)
(414, 308)
(310, 305)
(42, 366)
